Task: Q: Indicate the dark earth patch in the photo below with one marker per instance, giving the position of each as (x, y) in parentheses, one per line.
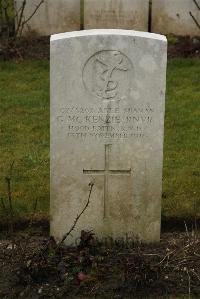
(183, 47)
(32, 266)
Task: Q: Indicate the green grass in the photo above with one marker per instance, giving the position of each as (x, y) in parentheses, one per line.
(24, 133)
(181, 180)
(24, 136)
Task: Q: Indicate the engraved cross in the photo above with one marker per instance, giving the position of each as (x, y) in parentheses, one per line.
(106, 172)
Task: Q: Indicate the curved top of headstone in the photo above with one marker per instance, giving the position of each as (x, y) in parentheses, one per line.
(95, 32)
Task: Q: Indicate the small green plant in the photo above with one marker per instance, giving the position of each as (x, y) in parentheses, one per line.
(172, 39)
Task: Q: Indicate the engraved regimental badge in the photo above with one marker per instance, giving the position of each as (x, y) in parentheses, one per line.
(107, 75)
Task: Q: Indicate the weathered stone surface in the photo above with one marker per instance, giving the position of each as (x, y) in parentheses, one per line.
(123, 14)
(53, 16)
(107, 119)
(181, 17)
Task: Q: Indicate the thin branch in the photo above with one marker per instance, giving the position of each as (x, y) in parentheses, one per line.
(35, 10)
(91, 185)
(194, 19)
(166, 256)
(23, 23)
(17, 11)
(197, 5)
(186, 229)
(34, 212)
(3, 205)
(20, 18)
(189, 284)
(11, 167)
(8, 181)
(195, 274)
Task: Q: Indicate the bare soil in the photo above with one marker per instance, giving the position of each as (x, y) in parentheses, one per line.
(33, 266)
(184, 47)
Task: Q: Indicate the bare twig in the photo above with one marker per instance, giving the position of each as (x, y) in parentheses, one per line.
(5, 210)
(166, 256)
(91, 184)
(20, 17)
(34, 212)
(8, 181)
(189, 285)
(17, 12)
(195, 215)
(3, 206)
(194, 19)
(11, 168)
(197, 5)
(45, 248)
(21, 23)
(196, 274)
(186, 229)
(35, 10)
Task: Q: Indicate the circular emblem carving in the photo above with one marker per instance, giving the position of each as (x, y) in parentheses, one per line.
(107, 75)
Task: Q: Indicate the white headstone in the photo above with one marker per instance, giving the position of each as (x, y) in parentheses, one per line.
(180, 17)
(53, 16)
(126, 14)
(107, 120)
